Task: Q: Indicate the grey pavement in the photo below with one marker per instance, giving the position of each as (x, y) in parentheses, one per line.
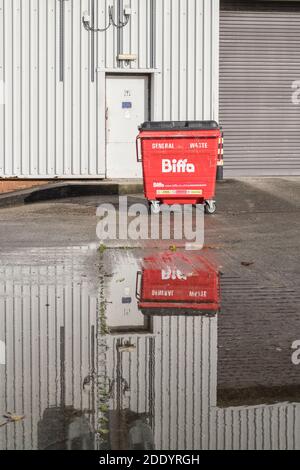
(257, 220)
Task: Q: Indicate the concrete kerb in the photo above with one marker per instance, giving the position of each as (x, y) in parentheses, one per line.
(65, 190)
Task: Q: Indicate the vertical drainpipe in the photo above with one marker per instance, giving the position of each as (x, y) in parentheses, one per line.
(153, 64)
(120, 31)
(61, 39)
(93, 42)
(153, 34)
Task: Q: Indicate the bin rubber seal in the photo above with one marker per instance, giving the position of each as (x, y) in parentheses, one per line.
(179, 126)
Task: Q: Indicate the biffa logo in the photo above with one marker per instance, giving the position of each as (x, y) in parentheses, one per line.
(171, 274)
(177, 166)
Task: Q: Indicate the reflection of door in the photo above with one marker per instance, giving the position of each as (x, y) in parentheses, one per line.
(127, 107)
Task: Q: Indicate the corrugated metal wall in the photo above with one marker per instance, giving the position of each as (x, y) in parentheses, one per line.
(187, 415)
(265, 427)
(50, 128)
(185, 382)
(49, 324)
(178, 41)
(47, 128)
(259, 62)
(172, 377)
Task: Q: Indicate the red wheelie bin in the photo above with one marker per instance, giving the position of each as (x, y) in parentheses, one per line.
(178, 283)
(180, 160)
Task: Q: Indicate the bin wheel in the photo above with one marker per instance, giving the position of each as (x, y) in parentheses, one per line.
(154, 207)
(210, 207)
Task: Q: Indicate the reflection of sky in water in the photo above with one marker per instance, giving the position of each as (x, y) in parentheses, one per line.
(168, 382)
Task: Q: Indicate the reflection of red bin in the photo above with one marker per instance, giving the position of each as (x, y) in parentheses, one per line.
(180, 162)
(179, 283)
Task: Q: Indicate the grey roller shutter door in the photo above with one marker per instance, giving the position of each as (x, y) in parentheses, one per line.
(259, 62)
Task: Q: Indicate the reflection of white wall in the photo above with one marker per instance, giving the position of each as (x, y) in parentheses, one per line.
(264, 427)
(186, 413)
(2, 353)
(122, 285)
(185, 381)
(133, 368)
(35, 303)
(173, 375)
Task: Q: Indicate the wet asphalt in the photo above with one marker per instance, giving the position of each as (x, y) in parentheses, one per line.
(152, 347)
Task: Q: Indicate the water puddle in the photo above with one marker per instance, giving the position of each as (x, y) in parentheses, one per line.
(146, 350)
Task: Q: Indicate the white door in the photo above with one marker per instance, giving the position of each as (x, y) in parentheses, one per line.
(127, 107)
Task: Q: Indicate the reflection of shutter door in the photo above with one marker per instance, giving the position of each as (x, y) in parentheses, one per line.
(259, 62)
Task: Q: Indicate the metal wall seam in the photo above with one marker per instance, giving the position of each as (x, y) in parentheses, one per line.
(85, 95)
(2, 87)
(8, 73)
(182, 66)
(190, 60)
(215, 54)
(59, 121)
(68, 86)
(157, 78)
(76, 89)
(42, 90)
(133, 35)
(16, 56)
(51, 87)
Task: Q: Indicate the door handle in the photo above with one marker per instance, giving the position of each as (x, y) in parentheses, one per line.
(106, 114)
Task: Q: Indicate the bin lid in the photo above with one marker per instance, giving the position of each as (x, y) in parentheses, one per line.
(179, 125)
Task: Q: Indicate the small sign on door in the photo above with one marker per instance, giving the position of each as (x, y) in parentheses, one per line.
(127, 105)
